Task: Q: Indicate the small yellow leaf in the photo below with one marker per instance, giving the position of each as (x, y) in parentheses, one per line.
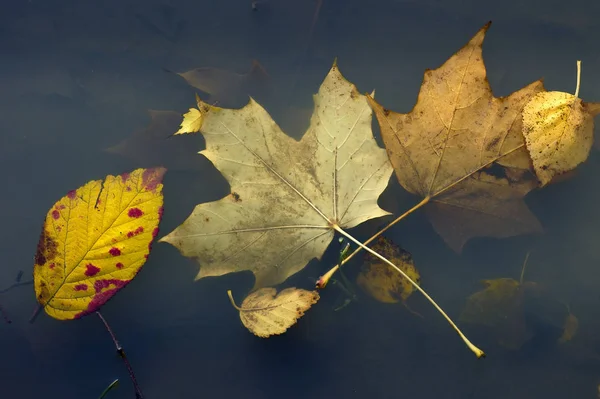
(192, 122)
(264, 313)
(95, 240)
(570, 329)
(559, 132)
(380, 280)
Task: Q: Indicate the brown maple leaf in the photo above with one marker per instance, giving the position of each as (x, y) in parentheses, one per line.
(461, 149)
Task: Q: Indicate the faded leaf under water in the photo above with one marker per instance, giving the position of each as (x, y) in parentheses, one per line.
(154, 145)
(266, 313)
(380, 280)
(228, 88)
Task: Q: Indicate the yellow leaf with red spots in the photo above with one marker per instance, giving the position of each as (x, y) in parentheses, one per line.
(95, 240)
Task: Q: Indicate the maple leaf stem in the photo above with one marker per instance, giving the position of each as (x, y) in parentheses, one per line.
(393, 222)
(121, 352)
(324, 279)
(478, 352)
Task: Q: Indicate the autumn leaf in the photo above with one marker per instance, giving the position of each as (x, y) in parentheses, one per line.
(266, 313)
(95, 240)
(500, 306)
(154, 145)
(381, 281)
(287, 197)
(461, 149)
(511, 309)
(228, 88)
(559, 131)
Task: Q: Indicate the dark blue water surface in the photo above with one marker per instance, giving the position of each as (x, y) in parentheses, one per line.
(79, 76)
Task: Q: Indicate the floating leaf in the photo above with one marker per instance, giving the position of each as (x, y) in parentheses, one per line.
(461, 149)
(154, 145)
(559, 131)
(192, 121)
(95, 240)
(381, 281)
(287, 197)
(266, 313)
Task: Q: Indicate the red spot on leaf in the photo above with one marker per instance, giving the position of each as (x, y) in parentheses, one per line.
(135, 232)
(151, 178)
(119, 265)
(155, 232)
(81, 287)
(102, 294)
(160, 213)
(135, 213)
(72, 194)
(91, 270)
(55, 214)
(146, 256)
(60, 207)
(125, 177)
(51, 265)
(114, 251)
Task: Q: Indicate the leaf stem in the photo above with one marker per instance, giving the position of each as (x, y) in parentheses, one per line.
(121, 352)
(578, 78)
(478, 352)
(112, 385)
(230, 295)
(324, 279)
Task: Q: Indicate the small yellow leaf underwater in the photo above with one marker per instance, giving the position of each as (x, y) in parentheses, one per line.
(380, 280)
(559, 133)
(266, 313)
(95, 240)
(570, 328)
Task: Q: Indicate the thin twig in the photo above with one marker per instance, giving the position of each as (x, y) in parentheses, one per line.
(4, 315)
(121, 352)
(14, 285)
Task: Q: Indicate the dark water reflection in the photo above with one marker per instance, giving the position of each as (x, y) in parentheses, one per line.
(78, 77)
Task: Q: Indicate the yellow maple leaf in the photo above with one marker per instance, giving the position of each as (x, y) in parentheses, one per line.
(95, 240)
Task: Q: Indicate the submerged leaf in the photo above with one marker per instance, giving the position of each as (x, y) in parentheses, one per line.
(559, 132)
(95, 240)
(500, 306)
(153, 145)
(380, 280)
(570, 328)
(264, 313)
(462, 150)
(287, 197)
(226, 87)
